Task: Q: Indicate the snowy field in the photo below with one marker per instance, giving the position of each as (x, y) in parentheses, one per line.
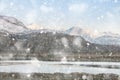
(60, 67)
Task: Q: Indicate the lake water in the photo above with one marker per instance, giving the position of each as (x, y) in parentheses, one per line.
(61, 67)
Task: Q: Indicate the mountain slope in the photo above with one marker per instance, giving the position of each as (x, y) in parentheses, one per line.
(79, 32)
(47, 45)
(97, 38)
(108, 38)
(11, 24)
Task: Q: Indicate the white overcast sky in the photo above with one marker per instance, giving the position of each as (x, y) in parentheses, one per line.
(100, 15)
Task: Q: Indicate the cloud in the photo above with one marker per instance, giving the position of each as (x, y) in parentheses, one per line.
(104, 1)
(46, 9)
(34, 2)
(78, 8)
(3, 6)
(31, 16)
(35, 26)
(110, 23)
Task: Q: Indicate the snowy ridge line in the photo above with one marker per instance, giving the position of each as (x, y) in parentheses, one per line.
(64, 62)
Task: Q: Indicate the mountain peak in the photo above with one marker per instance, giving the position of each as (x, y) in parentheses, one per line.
(75, 30)
(34, 26)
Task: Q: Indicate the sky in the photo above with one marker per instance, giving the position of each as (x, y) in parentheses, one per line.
(99, 15)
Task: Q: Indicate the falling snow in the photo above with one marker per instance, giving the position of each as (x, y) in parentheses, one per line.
(28, 75)
(84, 77)
(77, 42)
(78, 37)
(65, 42)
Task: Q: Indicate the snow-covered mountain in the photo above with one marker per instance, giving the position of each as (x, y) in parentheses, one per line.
(105, 38)
(108, 38)
(47, 45)
(85, 33)
(11, 25)
(19, 42)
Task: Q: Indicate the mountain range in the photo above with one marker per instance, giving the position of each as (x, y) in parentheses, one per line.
(19, 42)
(105, 38)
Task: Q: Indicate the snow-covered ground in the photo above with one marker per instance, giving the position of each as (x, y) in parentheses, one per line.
(61, 67)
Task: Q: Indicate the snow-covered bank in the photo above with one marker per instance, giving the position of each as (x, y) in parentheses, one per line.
(62, 62)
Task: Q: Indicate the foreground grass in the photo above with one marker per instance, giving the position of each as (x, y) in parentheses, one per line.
(57, 76)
